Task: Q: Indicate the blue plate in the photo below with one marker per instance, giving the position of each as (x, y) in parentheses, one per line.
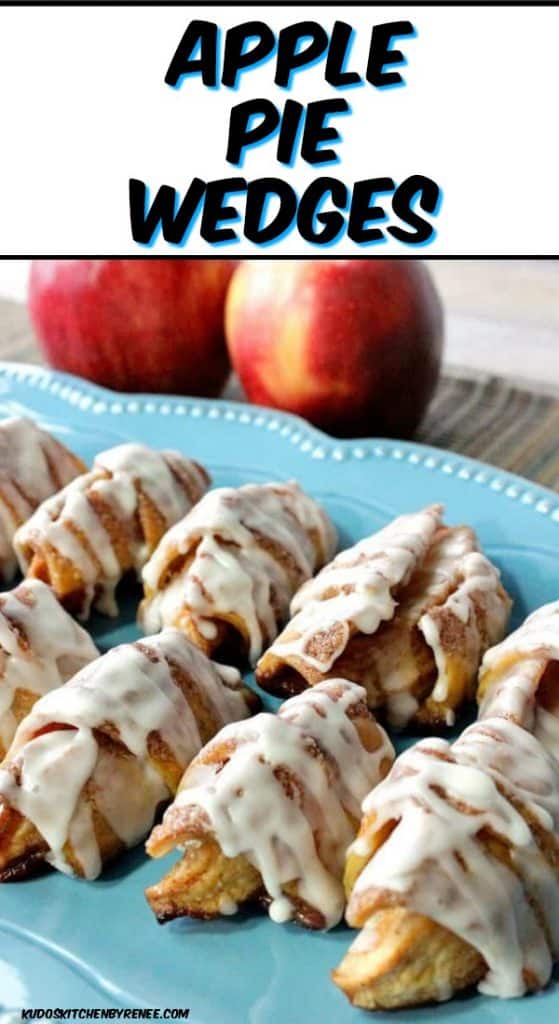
(67, 943)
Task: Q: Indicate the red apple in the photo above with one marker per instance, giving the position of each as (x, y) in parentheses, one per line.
(354, 346)
(134, 325)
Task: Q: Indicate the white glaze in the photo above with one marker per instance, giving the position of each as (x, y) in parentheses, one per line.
(138, 462)
(438, 574)
(137, 695)
(486, 903)
(364, 578)
(539, 633)
(232, 573)
(515, 668)
(287, 837)
(477, 589)
(454, 591)
(40, 647)
(26, 456)
(411, 575)
(546, 728)
(118, 476)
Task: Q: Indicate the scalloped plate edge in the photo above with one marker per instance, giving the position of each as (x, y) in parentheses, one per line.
(84, 396)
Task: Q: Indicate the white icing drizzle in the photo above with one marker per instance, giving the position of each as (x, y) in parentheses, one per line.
(322, 714)
(455, 599)
(546, 729)
(478, 590)
(149, 467)
(298, 831)
(539, 633)
(132, 689)
(435, 862)
(512, 694)
(362, 580)
(396, 666)
(511, 671)
(40, 647)
(232, 572)
(27, 454)
(117, 477)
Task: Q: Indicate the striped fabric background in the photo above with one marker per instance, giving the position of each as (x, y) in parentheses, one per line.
(491, 419)
(480, 415)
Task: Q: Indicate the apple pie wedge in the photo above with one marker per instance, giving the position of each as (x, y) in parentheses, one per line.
(454, 876)
(519, 678)
(267, 810)
(407, 612)
(106, 523)
(226, 573)
(33, 466)
(41, 646)
(95, 760)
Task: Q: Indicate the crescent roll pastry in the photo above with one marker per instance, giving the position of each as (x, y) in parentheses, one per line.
(519, 678)
(226, 573)
(106, 523)
(33, 466)
(454, 876)
(41, 647)
(266, 811)
(95, 760)
(407, 612)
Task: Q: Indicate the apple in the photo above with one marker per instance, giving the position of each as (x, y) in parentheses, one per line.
(354, 346)
(134, 325)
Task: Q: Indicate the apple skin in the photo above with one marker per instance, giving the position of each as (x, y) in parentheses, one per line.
(134, 325)
(354, 346)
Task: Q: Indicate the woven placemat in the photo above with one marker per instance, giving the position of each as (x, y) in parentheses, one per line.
(485, 417)
(499, 422)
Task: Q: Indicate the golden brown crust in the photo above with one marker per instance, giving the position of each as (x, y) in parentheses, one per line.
(398, 649)
(23, 849)
(230, 638)
(23, 701)
(208, 880)
(33, 467)
(46, 563)
(199, 883)
(63, 465)
(73, 466)
(490, 678)
(145, 528)
(21, 846)
(403, 959)
(205, 884)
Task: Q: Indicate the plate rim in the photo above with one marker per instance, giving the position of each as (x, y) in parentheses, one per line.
(85, 396)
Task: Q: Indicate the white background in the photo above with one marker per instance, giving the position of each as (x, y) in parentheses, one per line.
(84, 107)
